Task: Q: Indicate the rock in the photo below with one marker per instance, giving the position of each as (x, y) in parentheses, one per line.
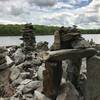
(28, 86)
(98, 53)
(3, 66)
(40, 96)
(42, 46)
(19, 88)
(37, 61)
(2, 99)
(3, 62)
(31, 86)
(19, 57)
(28, 64)
(25, 75)
(40, 71)
(28, 38)
(52, 78)
(26, 81)
(9, 60)
(2, 50)
(15, 72)
(80, 44)
(64, 66)
(28, 97)
(14, 98)
(17, 82)
(20, 66)
(64, 54)
(93, 79)
(4, 80)
(68, 92)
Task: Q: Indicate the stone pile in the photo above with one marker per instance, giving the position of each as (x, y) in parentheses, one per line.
(30, 78)
(28, 38)
(26, 81)
(24, 77)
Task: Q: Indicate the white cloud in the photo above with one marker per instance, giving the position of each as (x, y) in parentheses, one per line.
(44, 2)
(51, 12)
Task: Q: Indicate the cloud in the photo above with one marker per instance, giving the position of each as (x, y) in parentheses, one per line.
(84, 13)
(44, 2)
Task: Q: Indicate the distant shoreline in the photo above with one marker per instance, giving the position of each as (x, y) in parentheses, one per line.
(15, 30)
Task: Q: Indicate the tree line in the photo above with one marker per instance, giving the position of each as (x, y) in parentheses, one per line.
(15, 30)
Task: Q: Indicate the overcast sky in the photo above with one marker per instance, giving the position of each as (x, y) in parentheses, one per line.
(84, 13)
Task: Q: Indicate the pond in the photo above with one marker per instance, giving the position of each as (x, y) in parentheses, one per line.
(14, 40)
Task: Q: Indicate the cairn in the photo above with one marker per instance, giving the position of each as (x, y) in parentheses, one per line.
(28, 38)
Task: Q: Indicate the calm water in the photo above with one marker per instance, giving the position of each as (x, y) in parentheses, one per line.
(14, 40)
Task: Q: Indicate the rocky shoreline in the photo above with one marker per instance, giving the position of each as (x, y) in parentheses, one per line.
(23, 75)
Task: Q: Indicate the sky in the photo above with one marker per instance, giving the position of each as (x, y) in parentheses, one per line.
(83, 13)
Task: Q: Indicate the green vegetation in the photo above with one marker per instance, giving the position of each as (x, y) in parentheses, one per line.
(14, 30)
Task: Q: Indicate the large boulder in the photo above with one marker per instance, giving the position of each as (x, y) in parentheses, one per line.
(19, 56)
(31, 86)
(28, 86)
(93, 79)
(68, 92)
(40, 71)
(15, 72)
(39, 96)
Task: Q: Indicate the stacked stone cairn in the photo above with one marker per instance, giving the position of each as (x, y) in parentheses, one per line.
(28, 38)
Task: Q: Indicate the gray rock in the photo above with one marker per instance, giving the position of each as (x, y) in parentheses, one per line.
(93, 79)
(64, 66)
(26, 81)
(68, 92)
(9, 60)
(3, 62)
(2, 98)
(20, 66)
(40, 96)
(24, 75)
(14, 98)
(81, 44)
(17, 81)
(28, 97)
(20, 88)
(37, 61)
(15, 72)
(2, 50)
(19, 57)
(3, 66)
(40, 71)
(31, 86)
(42, 46)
